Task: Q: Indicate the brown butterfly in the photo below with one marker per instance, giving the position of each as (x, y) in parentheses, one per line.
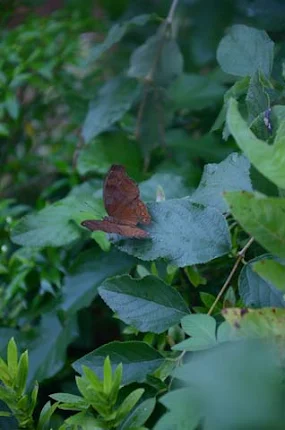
(123, 205)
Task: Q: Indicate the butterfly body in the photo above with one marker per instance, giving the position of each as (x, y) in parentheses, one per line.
(123, 205)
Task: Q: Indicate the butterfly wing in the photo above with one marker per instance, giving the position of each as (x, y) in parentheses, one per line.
(121, 198)
(110, 226)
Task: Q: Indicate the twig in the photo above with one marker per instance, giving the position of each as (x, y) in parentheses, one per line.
(171, 12)
(241, 255)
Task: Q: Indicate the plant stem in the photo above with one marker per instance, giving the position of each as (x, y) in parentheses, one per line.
(241, 255)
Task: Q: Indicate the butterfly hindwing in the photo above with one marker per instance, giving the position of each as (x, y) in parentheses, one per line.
(111, 227)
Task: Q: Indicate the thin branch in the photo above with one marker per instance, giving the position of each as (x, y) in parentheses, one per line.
(171, 12)
(241, 255)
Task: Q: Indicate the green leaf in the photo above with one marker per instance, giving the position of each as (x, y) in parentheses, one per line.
(86, 274)
(70, 401)
(184, 413)
(45, 415)
(262, 217)
(5, 376)
(272, 272)
(195, 92)
(114, 99)
(47, 347)
(138, 359)
(257, 323)
(147, 304)
(158, 59)
(85, 420)
(232, 174)
(127, 405)
(226, 394)
(34, 397)
(139, 415)
(257, 98)
(255, 291)
(156, 115)
(245, 50)
(116, 383)
(183, 232)
(202, 329)
(107, 380)
(114, 148)
(268, 159)
(22, 373)
(12, 358)
(51, 226)
(92, 378)
(6, 394)
(5, 414)
(117, 32)
(5, 336)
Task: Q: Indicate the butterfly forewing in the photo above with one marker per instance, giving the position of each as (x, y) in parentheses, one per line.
(121, 198)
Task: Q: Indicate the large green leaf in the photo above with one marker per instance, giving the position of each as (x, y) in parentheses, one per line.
(148, 304)
(117, 32)
(237, 385)
(268, 159)
(183, 232)
(90, 269)
(256, 291)
(245, 50)
(138, 358)
(156, 113)
(113, 101)
(258, 323)
(115, 148)
(159, 56)
(54, 225)
(230, 175)
(195, 92)
(262, 217)
(51, 226)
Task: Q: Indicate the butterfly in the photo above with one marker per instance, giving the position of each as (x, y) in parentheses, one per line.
(122, 202)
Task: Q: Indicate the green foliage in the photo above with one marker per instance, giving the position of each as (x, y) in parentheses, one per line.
(138, 358)
(100, 397)
(13, 377)
(190, 100)
(147, 304)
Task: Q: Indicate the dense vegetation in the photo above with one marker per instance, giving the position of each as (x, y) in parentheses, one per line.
(183, 329)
